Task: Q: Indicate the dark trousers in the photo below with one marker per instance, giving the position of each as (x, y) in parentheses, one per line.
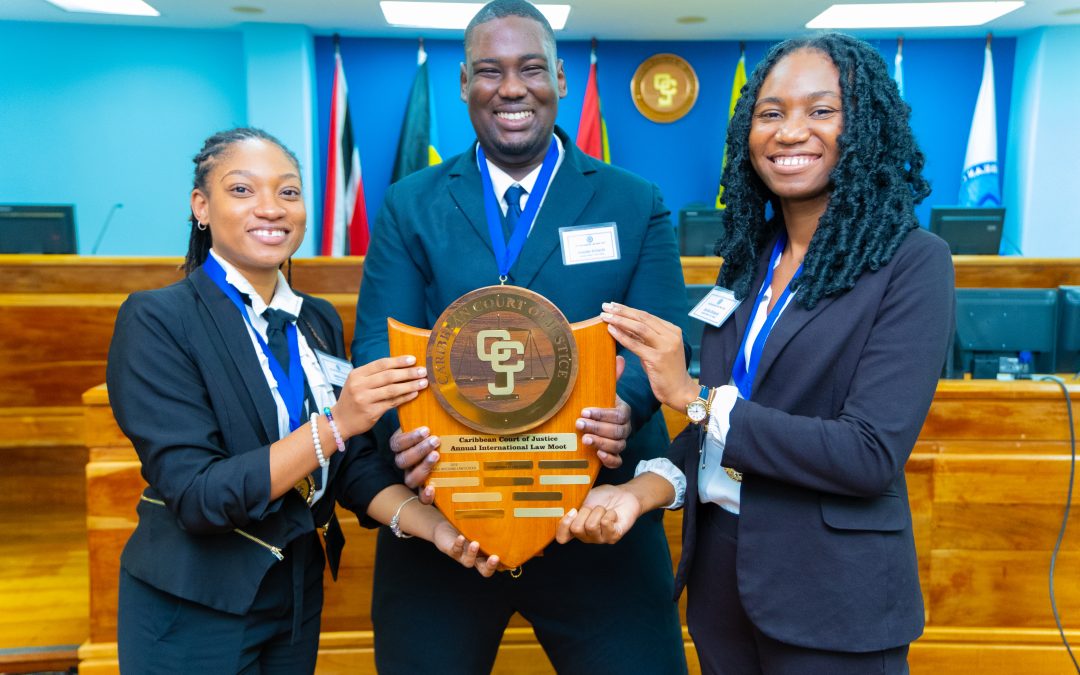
(160, 633)
(725, 639)
(595, 609)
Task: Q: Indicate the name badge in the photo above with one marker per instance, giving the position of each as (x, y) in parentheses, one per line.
(589, 243)
(335, 369)
(716, 307)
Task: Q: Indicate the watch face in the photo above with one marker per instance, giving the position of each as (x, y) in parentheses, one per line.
(696, 410)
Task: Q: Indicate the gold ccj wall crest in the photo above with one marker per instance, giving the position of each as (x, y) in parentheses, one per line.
(664, 87)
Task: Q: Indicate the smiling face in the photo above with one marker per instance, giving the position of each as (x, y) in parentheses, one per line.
(254, 207)
(796, 122)
(512, 82)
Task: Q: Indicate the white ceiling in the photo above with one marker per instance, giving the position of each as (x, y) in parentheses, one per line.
(604, 19)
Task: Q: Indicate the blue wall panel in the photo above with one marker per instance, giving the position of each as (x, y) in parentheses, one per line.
(96, 115)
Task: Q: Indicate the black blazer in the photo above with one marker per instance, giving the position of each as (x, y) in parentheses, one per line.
(186, 387)
(826, 557)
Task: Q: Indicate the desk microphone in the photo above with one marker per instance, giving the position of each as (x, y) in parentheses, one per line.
(105, 226)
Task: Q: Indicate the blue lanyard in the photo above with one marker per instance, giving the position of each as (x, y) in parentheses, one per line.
(743, 373)
(290, 389)
(506, 253)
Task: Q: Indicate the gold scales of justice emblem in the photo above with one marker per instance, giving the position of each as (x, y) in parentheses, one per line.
(508, 378)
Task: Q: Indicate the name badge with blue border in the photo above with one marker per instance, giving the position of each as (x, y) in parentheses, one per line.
(336, 370)
(589, 243)
(716, 307)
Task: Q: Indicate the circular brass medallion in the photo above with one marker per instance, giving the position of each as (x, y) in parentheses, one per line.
(502, 359)
(664, 87)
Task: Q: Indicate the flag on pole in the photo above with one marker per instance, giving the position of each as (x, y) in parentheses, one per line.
(592, 136)
(979, 183)
(898, 65)
(737, 84)
(345, 223)
(418, 144)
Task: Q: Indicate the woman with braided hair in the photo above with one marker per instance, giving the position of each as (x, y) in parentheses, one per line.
(250, 427)
(798, 551)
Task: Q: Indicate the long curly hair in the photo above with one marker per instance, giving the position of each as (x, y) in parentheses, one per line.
(875, 185)
(216, 146)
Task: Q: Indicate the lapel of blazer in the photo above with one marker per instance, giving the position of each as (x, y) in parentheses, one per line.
(467, 192)
(794, 318)
(233, 332)
(568, 195)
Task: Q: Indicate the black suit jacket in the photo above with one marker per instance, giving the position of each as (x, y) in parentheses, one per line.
(826, 556)
(186, 387)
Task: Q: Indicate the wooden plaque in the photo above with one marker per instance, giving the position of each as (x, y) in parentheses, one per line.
(507, 486)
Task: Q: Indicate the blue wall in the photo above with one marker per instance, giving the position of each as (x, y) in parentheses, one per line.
(941, 79)
(1042, 184)
(95, 115)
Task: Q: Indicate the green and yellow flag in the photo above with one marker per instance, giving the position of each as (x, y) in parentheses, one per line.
(736, 90)
(417, 147)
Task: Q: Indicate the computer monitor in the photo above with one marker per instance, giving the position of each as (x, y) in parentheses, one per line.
(699, 228)
(968, 230)
(695, 328)
(1068, 345)
(992, 323)
(27, 228)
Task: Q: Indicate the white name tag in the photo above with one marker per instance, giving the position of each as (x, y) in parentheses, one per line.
(716, 307)
(589, 243)
(335, 369)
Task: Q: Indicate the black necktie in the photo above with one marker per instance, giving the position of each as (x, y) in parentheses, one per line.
(276, 320)
(513, 210)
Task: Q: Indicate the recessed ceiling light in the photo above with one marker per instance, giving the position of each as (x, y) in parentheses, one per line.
(129, 7)
(912, 14)
(248, 9)
(454, 14)
(690, 19)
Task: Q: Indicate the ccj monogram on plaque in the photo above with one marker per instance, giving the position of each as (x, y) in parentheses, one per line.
(509, 377)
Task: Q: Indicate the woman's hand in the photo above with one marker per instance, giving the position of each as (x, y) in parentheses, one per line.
(374, 388)
(608, 513)
(659, 345)
(452, 543)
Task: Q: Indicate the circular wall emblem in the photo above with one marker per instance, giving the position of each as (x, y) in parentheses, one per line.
(502, 359)
(664, 87)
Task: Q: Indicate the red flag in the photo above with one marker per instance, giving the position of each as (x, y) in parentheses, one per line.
(345, 223)
(592, 131)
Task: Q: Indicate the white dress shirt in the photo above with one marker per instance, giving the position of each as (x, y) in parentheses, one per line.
(501, 181)
(284, 299)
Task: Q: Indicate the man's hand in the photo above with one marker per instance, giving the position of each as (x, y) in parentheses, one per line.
(606, 429)
(416, 453)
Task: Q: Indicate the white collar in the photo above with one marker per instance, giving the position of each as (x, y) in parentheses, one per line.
(500, 180)
(284, 298)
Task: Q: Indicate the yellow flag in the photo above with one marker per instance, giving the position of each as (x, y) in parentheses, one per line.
(736, 89)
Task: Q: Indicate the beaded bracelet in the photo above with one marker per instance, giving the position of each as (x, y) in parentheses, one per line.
(333, 427)
(315, 438)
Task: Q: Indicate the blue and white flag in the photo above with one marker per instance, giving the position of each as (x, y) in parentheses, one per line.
(979, 185)
(898, 66)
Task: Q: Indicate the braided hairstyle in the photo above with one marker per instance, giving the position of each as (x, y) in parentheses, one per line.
(215, 147)
(874, 187)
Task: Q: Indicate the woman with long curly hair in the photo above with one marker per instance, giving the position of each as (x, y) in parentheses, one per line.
(797, 540)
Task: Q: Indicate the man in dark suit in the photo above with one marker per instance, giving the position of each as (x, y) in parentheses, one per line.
(594, 609)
